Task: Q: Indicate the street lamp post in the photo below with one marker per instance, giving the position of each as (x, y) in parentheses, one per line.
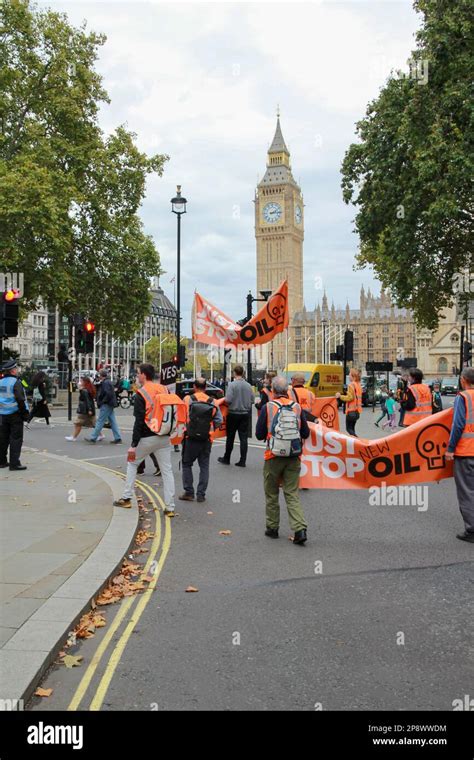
(250, 300)
(178, 207)
(324, 323)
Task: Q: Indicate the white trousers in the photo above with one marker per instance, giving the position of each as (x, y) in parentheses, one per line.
(160, 447)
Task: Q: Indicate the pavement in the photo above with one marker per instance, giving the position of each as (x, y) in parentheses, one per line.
(375, 612)
(60, 541)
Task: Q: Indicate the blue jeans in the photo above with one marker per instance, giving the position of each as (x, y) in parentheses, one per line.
(106, 412)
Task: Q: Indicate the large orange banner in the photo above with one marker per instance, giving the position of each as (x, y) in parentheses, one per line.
(413, 455)
(212, 326)
(325, 409)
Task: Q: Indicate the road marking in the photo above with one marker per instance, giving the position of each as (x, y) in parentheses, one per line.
(139, 609)
(88, 675)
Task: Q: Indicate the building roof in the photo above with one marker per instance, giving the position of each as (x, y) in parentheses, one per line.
(161, 304)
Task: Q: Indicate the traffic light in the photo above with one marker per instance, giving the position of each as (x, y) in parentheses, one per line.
(349, 346)
(9, 310)
(467, 352)
(79, 339)
(182, 356)
(89, 335)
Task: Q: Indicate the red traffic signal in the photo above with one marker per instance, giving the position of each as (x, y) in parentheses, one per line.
(89, 327)
(12, 294)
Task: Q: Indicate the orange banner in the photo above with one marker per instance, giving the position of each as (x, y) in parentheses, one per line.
(413, 455)
(212, 326)
(325, 409)
(222, 431)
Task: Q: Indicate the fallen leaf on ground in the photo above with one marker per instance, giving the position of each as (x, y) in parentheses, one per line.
(143, 536)
(72, 661)
(191, 589)
(225, 532)
(62, 654)
(210, 513)
(43, 692)
(148, 578)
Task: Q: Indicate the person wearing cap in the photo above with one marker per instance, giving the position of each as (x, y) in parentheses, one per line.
(13, 413)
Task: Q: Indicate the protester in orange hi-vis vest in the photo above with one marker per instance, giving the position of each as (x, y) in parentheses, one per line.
(266, 393)
(418, 403)
(305, 398)
(152, 434)
(461, 449)
(353, 399)
(282, 425)
(202, 416)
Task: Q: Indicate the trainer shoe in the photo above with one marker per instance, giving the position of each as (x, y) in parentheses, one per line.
(469, 537)
(118, 440)
(69, 438)
(125, 503)
(186, 497)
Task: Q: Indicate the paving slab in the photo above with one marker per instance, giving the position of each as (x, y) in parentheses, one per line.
(61, 539)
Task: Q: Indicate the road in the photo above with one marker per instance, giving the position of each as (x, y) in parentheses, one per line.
(374, 613)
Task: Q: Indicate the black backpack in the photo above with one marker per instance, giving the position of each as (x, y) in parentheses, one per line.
(201, 414)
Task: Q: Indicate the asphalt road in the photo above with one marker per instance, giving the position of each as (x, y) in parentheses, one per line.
(375, 612)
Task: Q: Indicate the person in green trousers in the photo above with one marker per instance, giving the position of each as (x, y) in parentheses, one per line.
(283, 467)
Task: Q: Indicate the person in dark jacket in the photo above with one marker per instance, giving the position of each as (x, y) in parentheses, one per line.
(106, 401)
(13, 412)
(40, 399)
(85, 409)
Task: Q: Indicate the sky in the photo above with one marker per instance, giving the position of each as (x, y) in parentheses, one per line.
(201, 82)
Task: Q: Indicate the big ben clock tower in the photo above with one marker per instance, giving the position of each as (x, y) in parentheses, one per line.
(279, 231)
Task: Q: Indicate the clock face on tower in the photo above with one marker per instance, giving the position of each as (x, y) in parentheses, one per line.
(272, 212)
(298, 214)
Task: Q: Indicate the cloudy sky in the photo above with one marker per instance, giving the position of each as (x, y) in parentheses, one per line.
(201, 82)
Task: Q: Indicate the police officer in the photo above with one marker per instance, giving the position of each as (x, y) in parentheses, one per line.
(13, 412)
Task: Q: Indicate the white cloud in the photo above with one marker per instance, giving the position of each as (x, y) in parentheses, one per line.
(201, 81)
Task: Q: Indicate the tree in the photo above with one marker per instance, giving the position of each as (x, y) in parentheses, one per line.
(410, 175)
(168, 349)
(69, 196)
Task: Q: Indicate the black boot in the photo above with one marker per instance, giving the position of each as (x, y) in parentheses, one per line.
(300, 537)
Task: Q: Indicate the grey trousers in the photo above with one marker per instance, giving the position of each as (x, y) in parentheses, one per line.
(192, 450)
(464, 479)
(160, 447)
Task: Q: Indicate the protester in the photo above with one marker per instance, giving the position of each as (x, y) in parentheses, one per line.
(417, 404)
(305, 398)
(106, 401)
(85, 409)
(239, 399)
(353, 400)
(436, 399)
(40, 398)
(149, 437)
(13, 412)
(461, 449)
(283, 426)
(390, 406)
(383, 408)
(266, 393)
(401, 396)
(202, 416)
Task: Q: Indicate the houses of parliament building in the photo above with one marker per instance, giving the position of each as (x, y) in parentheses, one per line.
(382, 331)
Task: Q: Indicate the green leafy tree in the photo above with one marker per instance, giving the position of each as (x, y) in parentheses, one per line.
(168, 349)
(410, 174)
(69, 196)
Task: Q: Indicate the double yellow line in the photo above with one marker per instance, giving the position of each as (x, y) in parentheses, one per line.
(143, 600)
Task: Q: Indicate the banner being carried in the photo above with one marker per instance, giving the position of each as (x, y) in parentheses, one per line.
(413, 455)
(212, 326)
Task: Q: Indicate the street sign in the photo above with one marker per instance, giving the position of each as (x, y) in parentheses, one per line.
(379, 366)
(410, 361)
(169, 373)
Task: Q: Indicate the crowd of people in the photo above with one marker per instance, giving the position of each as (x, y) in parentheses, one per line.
(162, 418)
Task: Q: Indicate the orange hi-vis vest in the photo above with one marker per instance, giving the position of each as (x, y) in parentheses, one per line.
(165, 412)
(270, 410)
(356, 404)
(422, 394)
(303, 397)
(268, 392)
(149, 390)
(465, 445)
